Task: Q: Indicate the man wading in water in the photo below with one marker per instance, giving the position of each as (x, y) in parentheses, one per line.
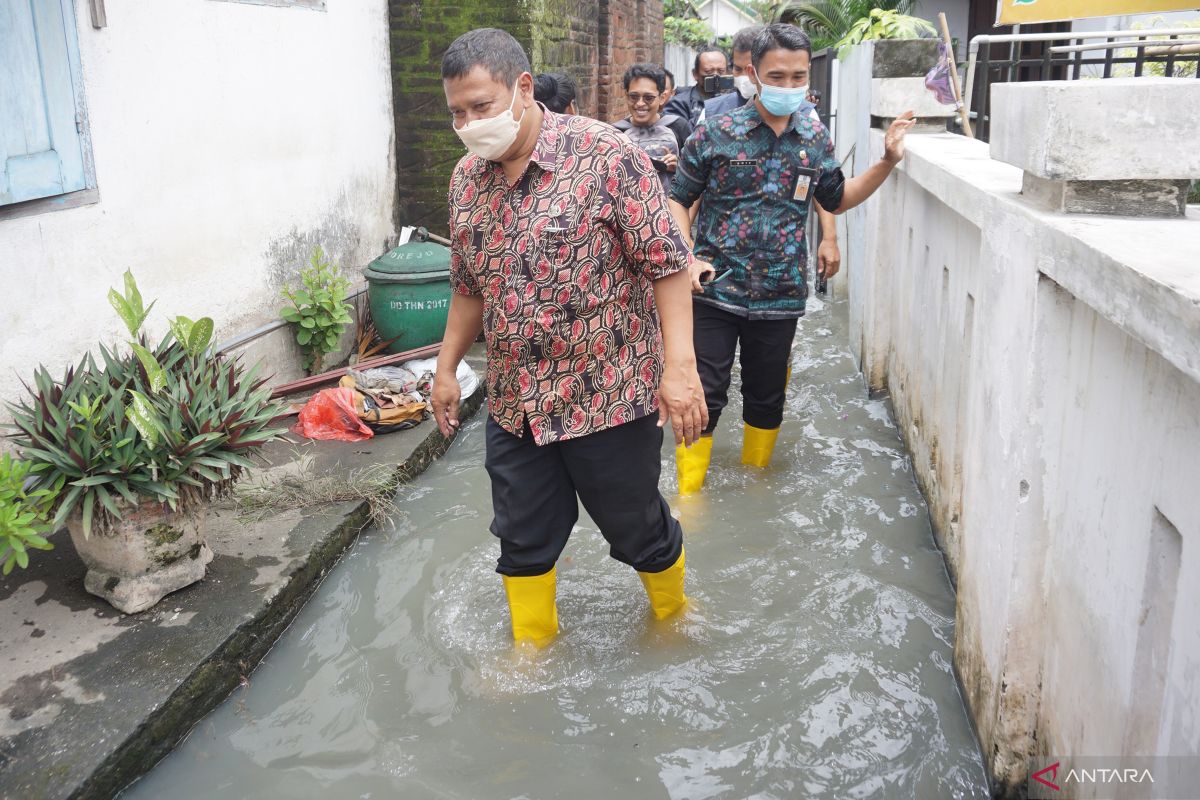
(565, 255)
(759, 168)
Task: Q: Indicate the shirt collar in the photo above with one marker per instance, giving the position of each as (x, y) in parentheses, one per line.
(754, 119)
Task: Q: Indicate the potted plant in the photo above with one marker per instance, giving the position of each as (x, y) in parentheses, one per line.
(134, 445)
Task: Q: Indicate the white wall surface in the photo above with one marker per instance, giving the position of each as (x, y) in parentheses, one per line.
(724, 19)
(1045, 371)
(229, 139)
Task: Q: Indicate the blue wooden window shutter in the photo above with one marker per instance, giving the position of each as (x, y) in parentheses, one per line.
(41, 152)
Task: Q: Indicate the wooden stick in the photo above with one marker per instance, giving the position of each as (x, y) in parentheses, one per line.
(963, 112)
(335, 374)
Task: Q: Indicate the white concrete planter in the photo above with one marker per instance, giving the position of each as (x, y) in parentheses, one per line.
(149, 553)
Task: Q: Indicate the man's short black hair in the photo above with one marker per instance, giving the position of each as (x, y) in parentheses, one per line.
(670, 77)
(710, 48)
(491, 48)
(743, 40)
(652, 71)
(555, 90)
(779, 36)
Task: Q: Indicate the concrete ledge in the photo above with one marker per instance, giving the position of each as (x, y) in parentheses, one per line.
(1151, 291)
(91, 699)
(1160, 198)
(902, 58)
(1111, 130)
(891, 97)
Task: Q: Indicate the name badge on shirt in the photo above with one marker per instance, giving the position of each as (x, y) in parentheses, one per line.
(743, 162)
(804, 181)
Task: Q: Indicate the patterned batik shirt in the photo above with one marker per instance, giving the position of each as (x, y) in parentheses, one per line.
(750, 221)
(564, 261)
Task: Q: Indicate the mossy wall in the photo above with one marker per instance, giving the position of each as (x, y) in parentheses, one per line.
(593, 40)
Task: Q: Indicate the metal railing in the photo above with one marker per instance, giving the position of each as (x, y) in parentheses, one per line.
(1072, 55)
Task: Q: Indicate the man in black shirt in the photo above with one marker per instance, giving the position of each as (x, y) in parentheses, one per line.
(689, 102)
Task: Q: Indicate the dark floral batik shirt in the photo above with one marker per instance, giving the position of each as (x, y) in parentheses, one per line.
(565, 261)
(755, 206)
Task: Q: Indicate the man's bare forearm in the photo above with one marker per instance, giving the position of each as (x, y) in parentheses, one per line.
(828, 223)
(673, 297)
(860, 187)
(683, 220)
(463, 325)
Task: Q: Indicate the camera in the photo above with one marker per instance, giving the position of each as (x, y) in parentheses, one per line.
(718, 84)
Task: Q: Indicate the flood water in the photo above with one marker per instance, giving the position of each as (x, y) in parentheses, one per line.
(814, 661)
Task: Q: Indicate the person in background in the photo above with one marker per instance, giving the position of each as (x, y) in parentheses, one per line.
(660, 135)
(744, 90)
(556, 91)
(760, 167)
(829, 255)
(565, 256)
(670, 92)
(689, 102)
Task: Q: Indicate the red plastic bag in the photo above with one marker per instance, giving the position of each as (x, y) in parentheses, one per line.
(330, 414)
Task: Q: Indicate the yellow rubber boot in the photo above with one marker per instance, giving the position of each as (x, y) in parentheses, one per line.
(665, 589)
(757, 445)
(691, 464)
(531, 604)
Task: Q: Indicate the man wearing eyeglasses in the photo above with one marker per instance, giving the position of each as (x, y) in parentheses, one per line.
(660, 135)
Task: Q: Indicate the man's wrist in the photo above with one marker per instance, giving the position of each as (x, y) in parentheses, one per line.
(887, 159)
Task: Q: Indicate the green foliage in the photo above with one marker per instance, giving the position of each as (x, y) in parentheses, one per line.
(827, 22)
(24, 515)
(129, 306)
(680, 8)
(884, 25)
(319, 311)
(1157, 68)
(170, 424)
(693, 33)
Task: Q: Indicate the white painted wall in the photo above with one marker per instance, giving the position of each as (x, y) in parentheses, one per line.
(229, 139)
(1045, 371)
(723, 18)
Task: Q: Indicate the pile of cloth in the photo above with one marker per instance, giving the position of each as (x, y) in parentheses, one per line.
(379, 400)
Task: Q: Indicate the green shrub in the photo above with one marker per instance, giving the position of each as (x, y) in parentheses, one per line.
(24, 514)
(319, 311)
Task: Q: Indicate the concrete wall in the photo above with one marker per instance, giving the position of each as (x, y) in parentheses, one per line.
(1045, 371)
(229, 140)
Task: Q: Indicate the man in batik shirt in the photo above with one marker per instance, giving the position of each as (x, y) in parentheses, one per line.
(759, 167)
(565, 255)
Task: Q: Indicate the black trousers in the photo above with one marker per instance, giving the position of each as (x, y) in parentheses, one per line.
(536, 493)
(766, 347)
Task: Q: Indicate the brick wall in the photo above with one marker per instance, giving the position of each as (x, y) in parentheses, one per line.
(593, 40)
(630, 31)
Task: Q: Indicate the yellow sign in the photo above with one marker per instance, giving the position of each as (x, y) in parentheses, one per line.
(1021, 12)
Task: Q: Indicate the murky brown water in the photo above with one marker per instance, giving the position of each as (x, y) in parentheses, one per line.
(815, 661)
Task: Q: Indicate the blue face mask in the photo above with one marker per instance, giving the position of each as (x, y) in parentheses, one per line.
(782, 102)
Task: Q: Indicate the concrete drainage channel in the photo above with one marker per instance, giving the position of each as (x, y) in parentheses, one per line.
(91, 699)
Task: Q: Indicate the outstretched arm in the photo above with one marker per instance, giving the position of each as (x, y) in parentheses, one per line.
(860, 187)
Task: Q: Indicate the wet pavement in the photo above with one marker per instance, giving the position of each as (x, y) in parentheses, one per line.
(814, 661)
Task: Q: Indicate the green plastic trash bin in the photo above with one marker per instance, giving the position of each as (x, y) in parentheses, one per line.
(409, 293)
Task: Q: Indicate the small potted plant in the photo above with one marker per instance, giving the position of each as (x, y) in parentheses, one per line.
(134, 445)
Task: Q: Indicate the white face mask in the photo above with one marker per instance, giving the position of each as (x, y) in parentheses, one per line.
(491, 138)
(745, 87)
